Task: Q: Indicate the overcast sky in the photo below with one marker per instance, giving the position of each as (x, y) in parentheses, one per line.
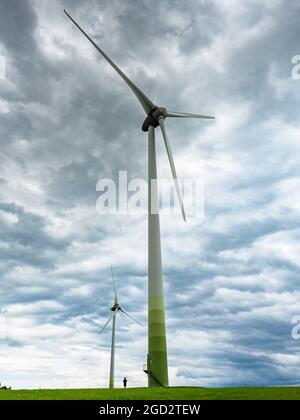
(67, 120)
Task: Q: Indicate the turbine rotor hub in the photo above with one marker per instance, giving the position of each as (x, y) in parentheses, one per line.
(116, 307)
(153, 118)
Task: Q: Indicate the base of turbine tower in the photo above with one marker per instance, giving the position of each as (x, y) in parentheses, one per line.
(153, 381)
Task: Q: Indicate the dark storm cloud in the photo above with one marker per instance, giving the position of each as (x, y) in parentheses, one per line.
(18, 21)
(27, 242)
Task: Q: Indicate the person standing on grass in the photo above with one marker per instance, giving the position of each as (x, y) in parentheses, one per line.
(125, 382)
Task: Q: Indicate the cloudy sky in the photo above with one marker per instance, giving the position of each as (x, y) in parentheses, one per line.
(67, 120)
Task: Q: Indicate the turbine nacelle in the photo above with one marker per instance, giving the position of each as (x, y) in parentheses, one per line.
(153, 118)
(116, 307)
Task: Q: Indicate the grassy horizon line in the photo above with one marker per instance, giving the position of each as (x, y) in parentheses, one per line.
(170, 393)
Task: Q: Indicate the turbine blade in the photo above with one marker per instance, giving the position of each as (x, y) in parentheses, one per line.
(146, 103)
(187, 115)
(106, 324)
(130, 316)
(170, 156)
(114, 286)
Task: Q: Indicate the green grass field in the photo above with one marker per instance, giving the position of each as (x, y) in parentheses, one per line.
(186, 393)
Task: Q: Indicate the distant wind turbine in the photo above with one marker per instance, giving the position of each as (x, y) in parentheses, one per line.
(115, 309)
(157, 362)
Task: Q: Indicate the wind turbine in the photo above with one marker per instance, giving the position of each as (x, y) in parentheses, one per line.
(115, 309)
(157, 363)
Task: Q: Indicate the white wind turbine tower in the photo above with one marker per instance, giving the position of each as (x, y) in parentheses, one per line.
(115, 309)
(157, 363)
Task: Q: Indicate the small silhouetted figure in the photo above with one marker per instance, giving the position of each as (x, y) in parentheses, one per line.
(125, 382)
